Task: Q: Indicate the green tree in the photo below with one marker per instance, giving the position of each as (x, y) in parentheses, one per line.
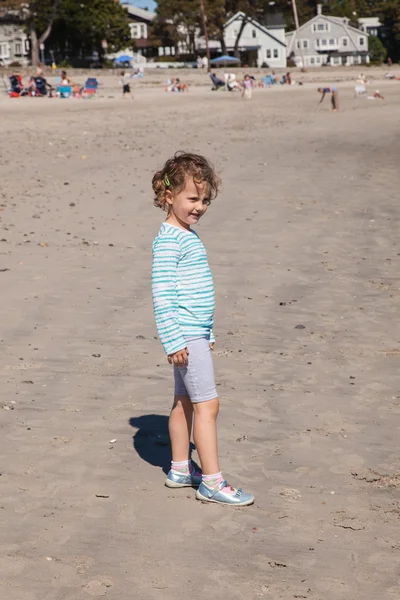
(81, 28)
(38, 17)
(390, 34)
(377, 50)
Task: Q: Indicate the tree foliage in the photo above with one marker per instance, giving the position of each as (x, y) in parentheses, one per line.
(81, 28)
(73, 27)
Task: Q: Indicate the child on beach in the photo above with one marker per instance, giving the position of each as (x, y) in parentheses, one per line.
(247, 88)
(125, 84)
(183, 298)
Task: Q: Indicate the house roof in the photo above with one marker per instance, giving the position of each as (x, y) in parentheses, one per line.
(351, 31)
(139, 13)
(370, 21)
(335, 21)
(240, 16)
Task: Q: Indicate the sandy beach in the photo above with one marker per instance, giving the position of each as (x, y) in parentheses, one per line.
(303, 243)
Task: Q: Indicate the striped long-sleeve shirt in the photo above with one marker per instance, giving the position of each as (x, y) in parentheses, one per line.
(183, 288)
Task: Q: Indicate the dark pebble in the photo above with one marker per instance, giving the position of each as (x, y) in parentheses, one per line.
(300, 327)
(140, 337)
(96, 355)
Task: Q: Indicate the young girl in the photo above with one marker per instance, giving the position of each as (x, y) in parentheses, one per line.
(183, 298)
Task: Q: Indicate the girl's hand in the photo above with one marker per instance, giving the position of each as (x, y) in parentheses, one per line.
(180, 358)
(212, 345)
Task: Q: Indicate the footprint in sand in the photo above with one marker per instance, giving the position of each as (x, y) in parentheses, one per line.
(98, 587)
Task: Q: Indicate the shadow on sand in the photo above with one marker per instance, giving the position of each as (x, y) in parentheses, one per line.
(151, 440)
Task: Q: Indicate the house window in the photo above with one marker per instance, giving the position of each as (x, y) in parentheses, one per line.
(345, 42)
(18, 48)
(312, 60)
(332, 42)
(269, 54)
(305, 44)
(336, 60)
(324, 42)
(276, 53)
(321, 27)
(362, 41)
(318, 60)
(254, 33)
(138, 30)
(4, 50)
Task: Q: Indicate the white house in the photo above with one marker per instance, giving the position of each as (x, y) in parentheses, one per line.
(257, 45)
(327, 40)
(14, 43)
(141, 24)
(370, 25)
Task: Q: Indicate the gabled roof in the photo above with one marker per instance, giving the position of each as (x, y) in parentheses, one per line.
(240, 16)
(334, 21)
(139, 13)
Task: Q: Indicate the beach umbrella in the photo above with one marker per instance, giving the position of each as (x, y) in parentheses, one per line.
(226, 59)
(123, 59)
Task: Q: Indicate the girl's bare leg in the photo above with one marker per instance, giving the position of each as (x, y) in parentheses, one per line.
(205, 435)
(180, 427)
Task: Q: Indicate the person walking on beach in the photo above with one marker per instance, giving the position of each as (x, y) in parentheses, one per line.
(247, 88)
(183, 299)
(334, 96)
(125, 84)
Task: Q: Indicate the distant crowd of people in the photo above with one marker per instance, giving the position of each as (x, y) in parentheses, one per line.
(37, 85)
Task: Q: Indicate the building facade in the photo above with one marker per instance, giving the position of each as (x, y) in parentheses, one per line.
(258, 45)
(14, 43)
(370, 25)
(326, 40)
(148, 45)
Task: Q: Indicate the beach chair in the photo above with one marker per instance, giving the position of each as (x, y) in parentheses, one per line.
(64, 91)
(16, 86)
(41, 86)
(360, 90)
(90, 88)
(269, 80)
(217, 83)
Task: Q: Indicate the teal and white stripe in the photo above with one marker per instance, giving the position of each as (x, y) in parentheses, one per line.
(183, 288)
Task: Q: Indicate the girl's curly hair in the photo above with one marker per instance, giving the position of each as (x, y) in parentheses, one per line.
(173, 176)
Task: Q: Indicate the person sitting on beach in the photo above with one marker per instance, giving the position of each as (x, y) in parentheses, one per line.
(64, 79)
(334, 95)
(232, 83)
(376, 96)
(180, 86)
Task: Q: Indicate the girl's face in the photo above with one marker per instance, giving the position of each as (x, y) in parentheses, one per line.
(189, 205)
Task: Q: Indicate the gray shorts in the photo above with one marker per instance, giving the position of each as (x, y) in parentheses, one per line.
(197, 379)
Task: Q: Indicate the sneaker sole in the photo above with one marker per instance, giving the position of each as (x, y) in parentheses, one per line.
(205, 499)
(173, 484)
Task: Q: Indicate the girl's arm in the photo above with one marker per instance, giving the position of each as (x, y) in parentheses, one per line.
(166, 252)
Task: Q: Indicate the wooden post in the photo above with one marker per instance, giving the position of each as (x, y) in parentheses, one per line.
(296, 20)
(204, 17)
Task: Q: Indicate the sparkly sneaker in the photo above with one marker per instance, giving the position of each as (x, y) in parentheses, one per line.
(178, 480)
(206, 494)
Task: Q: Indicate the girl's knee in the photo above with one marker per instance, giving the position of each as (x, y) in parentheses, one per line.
(207, 409)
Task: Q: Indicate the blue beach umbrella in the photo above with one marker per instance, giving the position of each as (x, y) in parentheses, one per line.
(224, 59)
(123, 59)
